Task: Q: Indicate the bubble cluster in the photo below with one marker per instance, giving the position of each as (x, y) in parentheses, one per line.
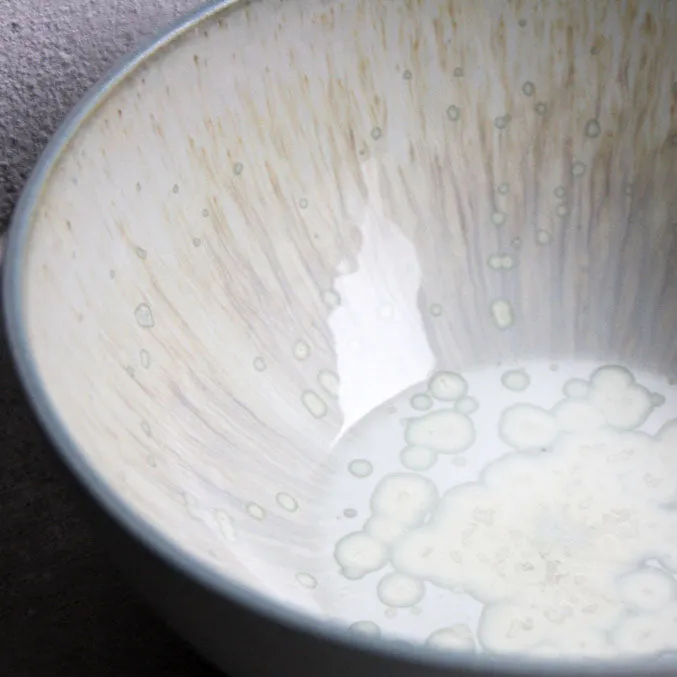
(399, 502)
(569, 539)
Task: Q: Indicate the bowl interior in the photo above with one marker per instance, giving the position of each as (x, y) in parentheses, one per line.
(258, 247)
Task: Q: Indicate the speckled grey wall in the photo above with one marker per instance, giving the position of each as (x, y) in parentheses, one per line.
(51, 51)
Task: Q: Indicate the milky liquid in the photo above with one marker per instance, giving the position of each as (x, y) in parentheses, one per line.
(519, 510)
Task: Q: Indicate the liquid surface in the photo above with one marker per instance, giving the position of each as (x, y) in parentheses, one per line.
(527, 509)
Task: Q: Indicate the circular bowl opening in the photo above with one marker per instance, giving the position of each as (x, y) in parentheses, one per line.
(368, 308)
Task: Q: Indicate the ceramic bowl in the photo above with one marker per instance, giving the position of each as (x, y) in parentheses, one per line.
(297, 271)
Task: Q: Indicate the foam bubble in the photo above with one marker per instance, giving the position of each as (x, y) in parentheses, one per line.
(399, 590)
(360, 467)
(421, 402)
(543, 237)
(498, 218)
(467, 405)
(623, 403)
(405, 497)
(526, 426)
(445, 431)
(528, 88)
(144, 357)
(457, 637)
(226, 525)
(368, 628)
(511, 628)
(578, 169)
(287, 502)
(306, 580)
(516, 379)
(507, 262)
(315, 405)
(447, 386)
(495, 262)
(144, 316)
(454, 113)
(648, 589)
(592, 129)
(359, 554)
(418, 458)
(301, 350)
(502, 313)
(256, 511)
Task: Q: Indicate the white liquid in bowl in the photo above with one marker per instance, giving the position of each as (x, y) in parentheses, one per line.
(540, 520)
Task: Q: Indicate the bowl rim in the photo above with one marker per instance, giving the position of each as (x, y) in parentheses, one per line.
(93, 482)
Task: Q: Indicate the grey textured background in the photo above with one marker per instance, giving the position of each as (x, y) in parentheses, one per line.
(51, 52)
(63, 609)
